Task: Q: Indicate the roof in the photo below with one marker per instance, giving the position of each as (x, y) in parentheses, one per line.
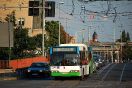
(81, 46)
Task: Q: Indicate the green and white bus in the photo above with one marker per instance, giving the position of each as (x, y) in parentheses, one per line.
(71, 60)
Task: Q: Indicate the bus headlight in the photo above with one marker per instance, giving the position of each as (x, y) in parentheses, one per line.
(40, 70)
(29, 71)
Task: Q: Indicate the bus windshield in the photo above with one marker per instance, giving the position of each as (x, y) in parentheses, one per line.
(65, 59)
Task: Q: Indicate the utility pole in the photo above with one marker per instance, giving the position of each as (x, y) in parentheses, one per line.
(121, 42)
(121, 46)
(9, 30)
(59, 21)
(89, 27)
(83, 35)
(43, 29)
(113, 43)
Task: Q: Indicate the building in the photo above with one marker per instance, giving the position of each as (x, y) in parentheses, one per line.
(21, 14)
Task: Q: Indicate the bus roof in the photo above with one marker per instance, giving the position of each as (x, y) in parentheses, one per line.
(81, 46)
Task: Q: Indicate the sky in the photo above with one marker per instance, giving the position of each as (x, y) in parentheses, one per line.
(107, 19)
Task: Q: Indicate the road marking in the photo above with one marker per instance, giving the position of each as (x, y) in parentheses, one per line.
(122, 72)
(100, 71)
(107, 73)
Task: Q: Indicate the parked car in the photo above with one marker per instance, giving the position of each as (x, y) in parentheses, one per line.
(97, 60)
(38, 69)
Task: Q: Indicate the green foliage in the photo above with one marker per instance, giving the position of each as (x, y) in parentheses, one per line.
(126, 49)
(24, 46)
(11, 18)
(128, 37)
(37, 40)
(124, 37)
(53, 32)
(4, 53)
(22, 43)
(127, 52)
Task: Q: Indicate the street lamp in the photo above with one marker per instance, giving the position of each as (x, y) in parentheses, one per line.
(59, 20)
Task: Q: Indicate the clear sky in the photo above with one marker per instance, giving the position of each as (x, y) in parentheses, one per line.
(94, 18)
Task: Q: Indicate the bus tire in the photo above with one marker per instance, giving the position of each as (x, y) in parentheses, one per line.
(57, 78)
(89, 71)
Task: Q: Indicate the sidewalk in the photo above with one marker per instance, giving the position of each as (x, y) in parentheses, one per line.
(7, 74)
(6, 71)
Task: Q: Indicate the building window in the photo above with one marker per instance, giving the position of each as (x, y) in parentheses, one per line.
(21, 21)
(37, 22)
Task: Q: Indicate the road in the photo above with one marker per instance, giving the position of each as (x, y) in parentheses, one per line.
(110, 76)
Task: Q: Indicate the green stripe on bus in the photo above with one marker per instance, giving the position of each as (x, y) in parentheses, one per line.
(64, 74)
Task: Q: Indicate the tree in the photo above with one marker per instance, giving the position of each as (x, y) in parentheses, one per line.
(126, 49)
(52, 31)
(24, 45)
(124, 37)
(51, 36)
(22, 42)
(128, 37)
(11, 18)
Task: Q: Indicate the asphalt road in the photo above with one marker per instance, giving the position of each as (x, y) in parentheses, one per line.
(110, 76)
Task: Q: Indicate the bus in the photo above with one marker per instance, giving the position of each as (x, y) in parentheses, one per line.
(71, 60)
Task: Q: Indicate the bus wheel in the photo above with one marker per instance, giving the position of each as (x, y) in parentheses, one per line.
(57, 78)
(89, 71)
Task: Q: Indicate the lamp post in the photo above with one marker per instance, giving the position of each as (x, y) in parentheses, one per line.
(59, 20)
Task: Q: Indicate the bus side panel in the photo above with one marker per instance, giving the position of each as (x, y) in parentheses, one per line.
(84, 70)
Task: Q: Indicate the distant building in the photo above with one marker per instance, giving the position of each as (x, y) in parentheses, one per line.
(95, 37)
(94, 40)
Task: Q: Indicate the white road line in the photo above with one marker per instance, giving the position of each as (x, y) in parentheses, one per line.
(100, 71)
(122, 72)
(107, 73)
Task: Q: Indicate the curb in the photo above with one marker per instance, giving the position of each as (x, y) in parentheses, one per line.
(12, 78)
